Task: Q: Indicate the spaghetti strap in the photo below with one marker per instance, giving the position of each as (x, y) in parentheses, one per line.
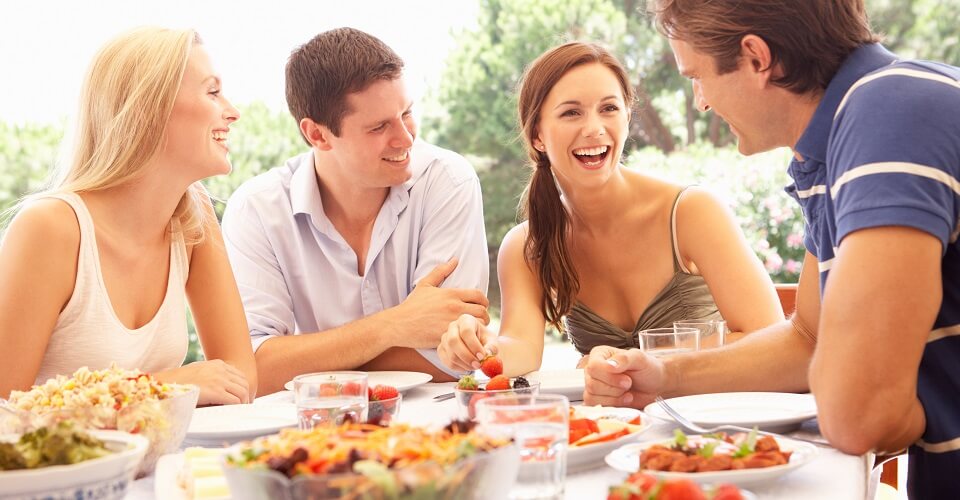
(678, 264)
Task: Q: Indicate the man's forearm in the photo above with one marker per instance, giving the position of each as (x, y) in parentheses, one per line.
(773, 359)
(343, 348)
(406, 359)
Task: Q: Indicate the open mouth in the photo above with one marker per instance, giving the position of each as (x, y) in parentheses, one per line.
(220, 137)
(592, 157)
(397, 159)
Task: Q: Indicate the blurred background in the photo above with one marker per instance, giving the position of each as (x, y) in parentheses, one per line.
(463, 59)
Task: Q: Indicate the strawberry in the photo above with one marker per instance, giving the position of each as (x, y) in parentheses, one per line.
(370, 394)
(681, 490)
(727, 492)
(491, 366)
(498, 383)
(351, 389)
(645, 482)
(384, 392)
(467, 383)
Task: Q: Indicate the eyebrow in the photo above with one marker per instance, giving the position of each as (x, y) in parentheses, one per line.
(215, 78)
(577, 103)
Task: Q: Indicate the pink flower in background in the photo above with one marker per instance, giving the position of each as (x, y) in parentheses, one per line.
(773, 263)
(795, 240)
(792, 266)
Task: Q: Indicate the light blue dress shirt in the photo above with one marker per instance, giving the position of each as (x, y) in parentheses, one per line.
(297, 274)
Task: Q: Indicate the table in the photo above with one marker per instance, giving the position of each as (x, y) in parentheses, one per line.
(831, 475)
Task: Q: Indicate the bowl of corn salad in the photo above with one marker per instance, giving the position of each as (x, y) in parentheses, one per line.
(118, 399)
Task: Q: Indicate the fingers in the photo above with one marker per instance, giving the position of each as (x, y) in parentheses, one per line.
(436, 276)
(452, 350)
(472, 296)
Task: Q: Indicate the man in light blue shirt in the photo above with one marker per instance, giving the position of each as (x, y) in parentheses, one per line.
(354, 238)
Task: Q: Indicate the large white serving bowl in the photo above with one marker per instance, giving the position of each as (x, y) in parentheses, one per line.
(104, 478)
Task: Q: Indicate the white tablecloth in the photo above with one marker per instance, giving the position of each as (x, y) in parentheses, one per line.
(831, 475)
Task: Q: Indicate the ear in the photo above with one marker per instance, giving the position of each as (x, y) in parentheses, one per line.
(755, 53)
(538, 144)
(317, 135)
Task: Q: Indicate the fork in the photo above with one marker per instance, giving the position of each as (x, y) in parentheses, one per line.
(688, 425)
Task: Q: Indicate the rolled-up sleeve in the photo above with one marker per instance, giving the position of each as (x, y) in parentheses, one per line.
(266, 298)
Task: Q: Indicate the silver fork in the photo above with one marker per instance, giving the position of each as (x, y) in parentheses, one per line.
(690, 426)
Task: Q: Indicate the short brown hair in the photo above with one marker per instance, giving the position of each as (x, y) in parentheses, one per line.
(322, 72)
(546, 249)
(809, 39)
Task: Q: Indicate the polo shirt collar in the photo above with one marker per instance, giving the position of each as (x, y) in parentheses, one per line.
(864, 60)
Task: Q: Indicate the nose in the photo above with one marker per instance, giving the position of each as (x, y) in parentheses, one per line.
(698, 98)
(594, 126)
(405, 133)
(230, 113)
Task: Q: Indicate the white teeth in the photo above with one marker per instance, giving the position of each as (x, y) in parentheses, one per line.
(401, 157)
(597, 150)
(219, 135)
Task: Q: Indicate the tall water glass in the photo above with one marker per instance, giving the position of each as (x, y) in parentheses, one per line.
(713, 332)
(667, 341)
(539, 425)
(330, 398)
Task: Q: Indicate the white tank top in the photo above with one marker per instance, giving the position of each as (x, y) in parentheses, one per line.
(88, 332)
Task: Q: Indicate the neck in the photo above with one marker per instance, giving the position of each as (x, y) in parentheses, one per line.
(140, 208)
(599, 210)
(800, 110)
(350, 207)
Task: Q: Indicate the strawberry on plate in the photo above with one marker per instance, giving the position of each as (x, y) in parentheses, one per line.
(498, 383)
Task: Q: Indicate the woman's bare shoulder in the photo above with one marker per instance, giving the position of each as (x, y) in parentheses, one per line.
(46, 222)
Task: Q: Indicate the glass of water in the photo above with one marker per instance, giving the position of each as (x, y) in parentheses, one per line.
(713, 332)
(667, 341)
(539, 425)
(330, 398)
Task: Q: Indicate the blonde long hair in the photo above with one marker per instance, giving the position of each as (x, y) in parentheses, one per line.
(127, 97)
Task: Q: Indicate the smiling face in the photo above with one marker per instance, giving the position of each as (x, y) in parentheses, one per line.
(740, 98)
(583, 125)
(373, 149)
(196, 133)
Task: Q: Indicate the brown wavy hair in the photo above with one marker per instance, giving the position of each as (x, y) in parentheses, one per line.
(546, 250)
(322, 72)
(809, 39)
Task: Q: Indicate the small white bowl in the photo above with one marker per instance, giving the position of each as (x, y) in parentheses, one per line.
(104, 478)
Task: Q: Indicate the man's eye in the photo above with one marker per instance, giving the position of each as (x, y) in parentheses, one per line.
(379, 128)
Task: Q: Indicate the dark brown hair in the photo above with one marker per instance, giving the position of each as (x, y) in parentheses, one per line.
(809, 39)
(546, 251)
(322, 72)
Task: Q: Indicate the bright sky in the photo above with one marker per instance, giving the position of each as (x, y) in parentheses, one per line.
(46, 45)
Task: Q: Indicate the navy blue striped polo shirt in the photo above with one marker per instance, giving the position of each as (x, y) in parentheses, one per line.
(883, 149)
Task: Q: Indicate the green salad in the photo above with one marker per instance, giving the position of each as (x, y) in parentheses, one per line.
(55, 445)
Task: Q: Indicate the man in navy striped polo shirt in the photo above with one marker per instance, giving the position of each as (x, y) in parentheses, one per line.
(876, 144)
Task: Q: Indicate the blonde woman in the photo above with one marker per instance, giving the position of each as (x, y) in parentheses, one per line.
(95, 270)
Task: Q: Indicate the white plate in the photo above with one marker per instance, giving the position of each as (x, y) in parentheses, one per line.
(627, 459)
(771, 411)
(566, 382)
(217, 425)
(403, 381)
(586, 457)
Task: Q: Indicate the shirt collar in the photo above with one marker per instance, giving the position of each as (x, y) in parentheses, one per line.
(866, 59)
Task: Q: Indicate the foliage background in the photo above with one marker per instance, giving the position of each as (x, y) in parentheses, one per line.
(472, 111)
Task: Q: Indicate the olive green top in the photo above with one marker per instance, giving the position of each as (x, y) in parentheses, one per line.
(684, 297)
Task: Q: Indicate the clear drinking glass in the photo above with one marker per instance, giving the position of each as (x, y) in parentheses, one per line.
(539, 425)
(330, 398)
(667, 341)
(713, 332)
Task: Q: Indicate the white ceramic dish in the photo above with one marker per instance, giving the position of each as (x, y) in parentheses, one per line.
(627, 459)
(106, 477)
(770, 411)
(566, 382)
(403, 381)
(581, 458)
(219, 425)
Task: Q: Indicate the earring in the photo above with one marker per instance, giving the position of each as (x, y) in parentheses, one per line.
(539, 147)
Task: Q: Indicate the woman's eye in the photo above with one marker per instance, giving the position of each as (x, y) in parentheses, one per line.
(570, 112)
